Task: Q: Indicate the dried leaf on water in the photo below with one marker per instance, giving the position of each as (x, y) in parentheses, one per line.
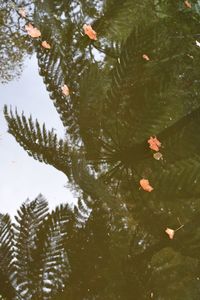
(32, 31)
(158, 156)
(89, 31)
(170, 232)
(188, 4)
(146, 185)
(144, 56)
(154, 143)
(197, 43)
(65, 90)
(46, 45)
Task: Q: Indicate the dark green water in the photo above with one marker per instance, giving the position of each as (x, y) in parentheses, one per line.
(136, 77)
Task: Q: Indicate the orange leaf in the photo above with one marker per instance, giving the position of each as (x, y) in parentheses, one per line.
(46, 45)
(188, 4)
(170, 233)
(145, 185)
(22, 12)
(32, 31)
(65, 90)
(145, 57)
(90, 32)
(154, 143)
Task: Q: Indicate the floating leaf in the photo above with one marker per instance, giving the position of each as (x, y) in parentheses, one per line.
(65, 90)
(145, 57)
(197, 43)
(154, 143)
(90, 32)
(46, 45)
(145, 185)
(32, 31)
(22, 12)
(158, 156)
(188, 4)
(170, 233)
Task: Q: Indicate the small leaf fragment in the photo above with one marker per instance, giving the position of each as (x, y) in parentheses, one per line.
(144, 56)
(145, 185)
(46, 45)
(170, 232)
(89, 31)
(158, 156)
(32, 31)
(197, 43)
(188, 4)
(65, 90)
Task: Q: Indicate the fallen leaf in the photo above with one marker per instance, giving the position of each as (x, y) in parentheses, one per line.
(90, 32)
(158, 156)
(32, 31)
(145, 57)
(46, 45)
(22, 12)
(188, 4)
(170, 233)
(197, 43)
(145, 185)
(65, 90)
(154, 143)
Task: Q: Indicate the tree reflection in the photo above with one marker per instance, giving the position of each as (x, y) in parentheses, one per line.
(117, 101)
(14, 44)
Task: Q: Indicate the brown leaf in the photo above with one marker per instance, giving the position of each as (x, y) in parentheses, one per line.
(145, 185)
(65, 90)
(46, 45)
(90, 32)
(32, 31)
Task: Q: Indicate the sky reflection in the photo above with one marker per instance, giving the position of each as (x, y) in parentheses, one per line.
(22, 177)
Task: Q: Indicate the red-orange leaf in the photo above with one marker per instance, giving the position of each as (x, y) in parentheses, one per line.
(154, 143)
(32, 31)
(145, 185)
(90, 32)
(46, 45)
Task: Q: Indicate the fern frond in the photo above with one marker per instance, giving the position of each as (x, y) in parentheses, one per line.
(141, 98)
(7, 264)
(29, 218)
(40, 144)
(50, 261)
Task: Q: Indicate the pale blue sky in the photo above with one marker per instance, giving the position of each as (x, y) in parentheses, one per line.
(22, 177)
